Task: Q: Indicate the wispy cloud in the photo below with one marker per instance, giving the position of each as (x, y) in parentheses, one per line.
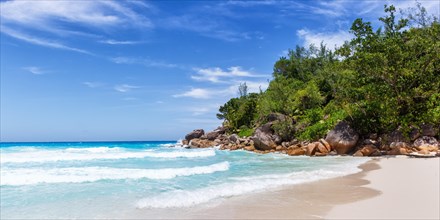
(204, 108)
(215, 74)
(116, 42)
(41, 41)
(252, 3)
(330, 39)
(93, 84)
(125, 87)
(229, 80)
(34, 70)
(197, 93)
(34, 21)
(143, 61)
(44, 14)
(228, 91)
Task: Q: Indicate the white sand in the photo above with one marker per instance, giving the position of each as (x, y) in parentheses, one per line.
(409, 190)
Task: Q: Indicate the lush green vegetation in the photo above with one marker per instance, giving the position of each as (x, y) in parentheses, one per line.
(378, 81)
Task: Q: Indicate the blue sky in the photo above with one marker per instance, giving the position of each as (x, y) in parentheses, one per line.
(149, 70)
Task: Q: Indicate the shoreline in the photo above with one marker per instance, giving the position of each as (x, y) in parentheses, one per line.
(312, 200)
(355, 196)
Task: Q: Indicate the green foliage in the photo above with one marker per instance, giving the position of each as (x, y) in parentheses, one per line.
(245, 132)
(396, 72)
(379, 80)
(239, 112)
(285, 129)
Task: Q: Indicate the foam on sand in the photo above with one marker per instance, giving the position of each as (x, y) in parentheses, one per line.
(243, 185)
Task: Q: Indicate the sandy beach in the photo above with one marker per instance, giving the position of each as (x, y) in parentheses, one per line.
(409, 189)
(387, 188)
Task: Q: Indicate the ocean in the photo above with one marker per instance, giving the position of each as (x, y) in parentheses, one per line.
(130, 179)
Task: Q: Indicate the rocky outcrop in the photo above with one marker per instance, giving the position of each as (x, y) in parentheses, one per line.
(262, 139)
(322, 149)
(311, 149)
(201, 143)
(367, 151)
(399, 150)
(297, 151)
(425, 140)
(276, 117)
(342, 138)
(194, 134)
(234, 138)
(215, 133)
(326, 144)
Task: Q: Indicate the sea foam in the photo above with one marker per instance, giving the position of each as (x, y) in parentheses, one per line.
(30, 176)
(242, 185)
(95, 153)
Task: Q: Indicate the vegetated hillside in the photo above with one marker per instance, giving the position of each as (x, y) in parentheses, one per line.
(378, 81)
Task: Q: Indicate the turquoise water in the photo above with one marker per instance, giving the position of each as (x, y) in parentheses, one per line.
(114, 179)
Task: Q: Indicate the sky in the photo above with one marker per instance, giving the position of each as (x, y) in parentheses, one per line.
(150, 70)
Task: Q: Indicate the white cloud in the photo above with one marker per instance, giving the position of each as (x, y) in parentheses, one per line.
(40, 41)
(116, 42)
(330, 39)
(34, 70)
(232, 77)
(33, 21)
(203, 108)
(93, 84)
(254, 3)
(143, 61)
(43, 14)
(229, 91)
(125, 87)
(197, 93)
(215, 74)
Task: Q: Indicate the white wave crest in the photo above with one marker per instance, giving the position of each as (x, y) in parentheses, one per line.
(241, 185)
(30, 176)
(96, 153)
(183, 153)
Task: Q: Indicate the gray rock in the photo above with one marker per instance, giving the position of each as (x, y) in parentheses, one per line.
(195, 134)
(276, 117)
(342, 138)
(215, 133)
(277, 139)
(414, 133)
(200, 143)
(234, 138)
(425, 140)
(398, 144)
(262, 140)
(396, 136)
